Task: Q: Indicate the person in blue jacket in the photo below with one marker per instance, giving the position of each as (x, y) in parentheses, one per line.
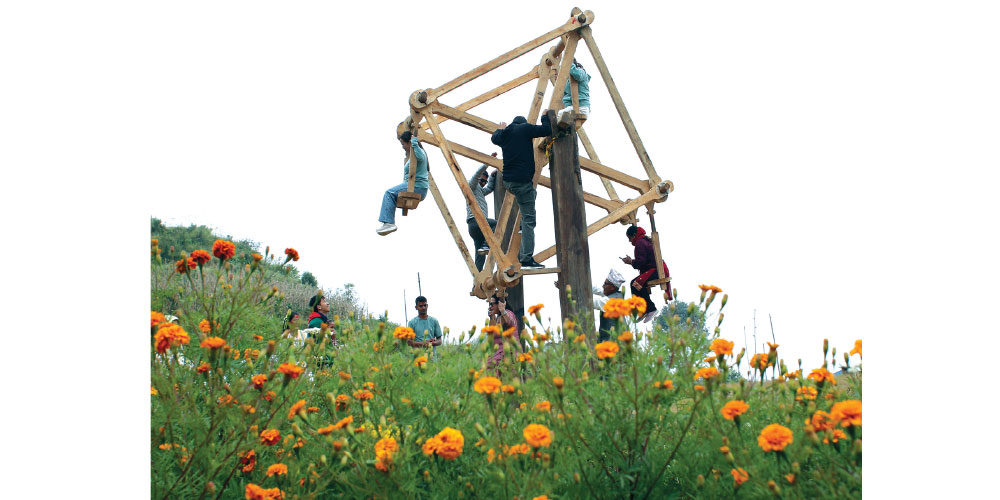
(518, 176)
(576, 72)
(387, 216)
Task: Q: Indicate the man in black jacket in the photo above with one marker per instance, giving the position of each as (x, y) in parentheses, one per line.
(518, 174)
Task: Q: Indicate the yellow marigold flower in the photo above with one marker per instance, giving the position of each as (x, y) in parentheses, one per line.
(290, 370)
(170, 335)
(706, 373)
(270, 437)
(404, 333)
(525, 357)
(508, 332)
(277, 469)
(155, 318)
(606, 349)
(535, 308)
(847, 413)
(385, 448)
(857, 348)
(734, 408)
(822, 375)
(775, 437)
(420, 361)
(259, 381)
(487, 385)
(363, 394)
(153, 391)
(558, 382)
(626, 337)
(580, 338)
(543, 406)
(213, 342)
(740, 476)
(294, 410)
(821, 421)
(204, 367)
(344, 375)
(637, 304)
(450, 442)
(616, 308)
(807, 392)
(325, 430)
(537, 435)
(342, 423)
(491, 330)
(721, 347)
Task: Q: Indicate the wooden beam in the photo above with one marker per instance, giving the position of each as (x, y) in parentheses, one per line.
(592, 153)
(555, 102)
(633, 135)
(544, 270)
(607, 172)
(570, 25)
(655, 237)
(464, 250)
(489, 95)
(463, 117)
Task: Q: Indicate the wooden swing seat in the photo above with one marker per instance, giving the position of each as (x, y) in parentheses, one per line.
(407, 201)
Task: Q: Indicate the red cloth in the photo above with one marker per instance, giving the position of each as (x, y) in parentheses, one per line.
(644, 277)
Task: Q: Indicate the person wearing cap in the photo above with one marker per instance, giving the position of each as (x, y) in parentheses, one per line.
(576, 72)
(387, 215)
(515, 142)
(481, 185)
(645, 263)
(611, 289)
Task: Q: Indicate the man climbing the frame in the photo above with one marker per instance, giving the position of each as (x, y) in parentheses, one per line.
(387, 216)
(611, 289)
(576, 72)
(481, 185)
(518, 175)
(645, 263)
(427, 329)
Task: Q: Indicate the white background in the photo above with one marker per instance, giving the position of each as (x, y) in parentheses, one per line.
(834, 168)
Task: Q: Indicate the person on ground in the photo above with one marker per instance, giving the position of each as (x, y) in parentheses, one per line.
(610, 289)
(387, 215)
(645, 263)
(576, 72)
(481, 185)
(427, 329)
(515, 142)
(320, 308)
(502, 316)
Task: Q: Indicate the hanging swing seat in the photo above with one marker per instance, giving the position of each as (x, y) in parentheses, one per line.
(407, 200)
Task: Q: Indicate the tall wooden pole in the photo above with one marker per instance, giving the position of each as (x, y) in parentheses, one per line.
(515, 294)
(573, 250)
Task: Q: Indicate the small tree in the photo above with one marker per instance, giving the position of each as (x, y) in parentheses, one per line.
(309, 279)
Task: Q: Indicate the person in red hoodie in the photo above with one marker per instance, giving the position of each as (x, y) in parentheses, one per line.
(645, 263)
(320, 307)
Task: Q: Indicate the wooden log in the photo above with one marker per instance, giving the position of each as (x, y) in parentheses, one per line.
(491, 94)
(633, 135)
(450, 222)
(655, 237)
(545, 270)
(463, 117)
(592, 153)
(570, 221)
(515, 294)
(563, 73)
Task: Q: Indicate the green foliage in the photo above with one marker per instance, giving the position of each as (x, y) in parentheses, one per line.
(309, 279)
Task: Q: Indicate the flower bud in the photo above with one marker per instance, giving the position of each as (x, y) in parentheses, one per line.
(857, 447)
(701, 480)
(270, 347)
(847, 359)
(365, 408)
(480, 429)
(826, 347)
(210, 487)
(771, 485)
(576, 476)
(721, 316)
(425, 411)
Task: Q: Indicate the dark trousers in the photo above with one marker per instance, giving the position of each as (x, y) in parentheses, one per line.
(478, 240)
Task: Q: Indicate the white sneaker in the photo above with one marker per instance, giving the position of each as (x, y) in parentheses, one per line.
(646, 318)
(385, 228)
(483, 250)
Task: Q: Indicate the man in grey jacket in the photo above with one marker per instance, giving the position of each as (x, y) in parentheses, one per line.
(481, 185)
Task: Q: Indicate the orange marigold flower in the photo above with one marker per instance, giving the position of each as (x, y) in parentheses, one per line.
(666, 384)
(202, 368)
(431, 445)
(807, 392)
(325, 430)
(837, 436)
(822, 375)
(270, 395)
(793, 375)
(847, 413)
(617, 308)
(518, 449)
(706, 373)
(606, 349)
(344, 375)
(626, 337)
(385, 448)
(342, 401)
(256, 257)
(525, 357)
(507, 388)
(775, 437)
(182, 266)
(155, 318)
(342, 423)
(734, 408)
(277, 469)
(200, 257)
(292, 254)
(449, 443)
(704, 288)
(710, 359)
(213, 342)
(699, 388)
(543, 406)
(508, 332)
(223, 249)
(535, 308)
(404, 333)
(270, 437)
(715, 289)
(294, 410)
(363, 394)
(542, 497)
(821, 421)
(259, 381)
(558, 382)
(290, 370)
(857, 348)
(759, 361)
(537, 435)
(420, 361)
(637, 304)
(254, 492)
(153, 391)
(721, 347)
(248, 461)
(170, 335)
(580, 338)
(740, 476)
(205, 326)
(790, 478)
(487, 385)
(491, 330)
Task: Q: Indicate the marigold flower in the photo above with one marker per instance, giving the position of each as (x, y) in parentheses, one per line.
(363, 394)
(259, 381)
(487, 385)
(666, 384)
(790, 478)
(491, 330)
(793, 375)
(558, 382)
(822, 375)
(699, 388)
(431, 445)
(342, 401)
(270, 437)
(213, 342)
(508, 332)
(806, 392)
(857, 348)
(721, 347)
(704, 288)
(277, 469)
(535, 308)
(606, 349)
(249, 461)
(715, 289)
(256, 257)
(617, 308)
(706, 373)
(403, 333)
(821, 421)
(542, 497)
(734, 408)
(223, 249)
(200, 257)
(254, 492)
(325, 430)
(507, 388)
(420, 361)
(837, 436)
(543, 406)
(292, 254)
(155, 318)
(182, 266)
(202, 368)
(740, 476)
(775, 437)
(294, 410)
(270, 395)
(290, 370)
(449, 443)
(344, 375)
(580, 338)
(170, 335)
(205, 326)
(637, 304)
(342, 423)
(153, 391)
(847, 413)
(525, 357)
(537, 435)
(759, 361)
(626, 337)
(385, 448)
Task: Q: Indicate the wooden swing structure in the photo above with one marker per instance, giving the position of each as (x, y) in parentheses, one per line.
(502, 269)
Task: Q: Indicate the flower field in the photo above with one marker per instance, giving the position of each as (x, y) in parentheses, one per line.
(241, 409)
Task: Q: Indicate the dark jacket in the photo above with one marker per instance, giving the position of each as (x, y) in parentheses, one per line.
(644, 259)
(518, 154)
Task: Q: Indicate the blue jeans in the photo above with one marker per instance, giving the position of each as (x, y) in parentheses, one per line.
(524, 194)
(388, 212)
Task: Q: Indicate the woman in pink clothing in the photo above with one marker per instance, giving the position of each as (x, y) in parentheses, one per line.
(501, 315)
